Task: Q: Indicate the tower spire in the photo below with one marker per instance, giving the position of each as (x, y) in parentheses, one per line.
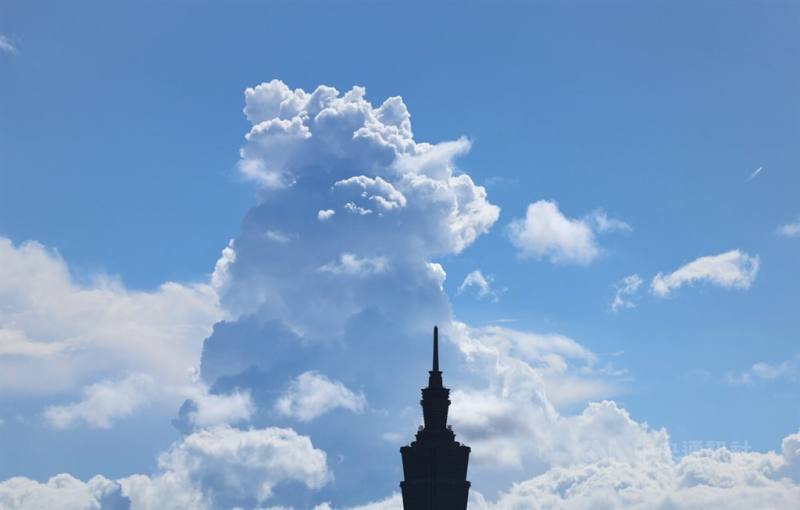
(435, 378)
(436, 348)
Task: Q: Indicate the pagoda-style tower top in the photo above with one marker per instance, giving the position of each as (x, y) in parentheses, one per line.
(435, 465)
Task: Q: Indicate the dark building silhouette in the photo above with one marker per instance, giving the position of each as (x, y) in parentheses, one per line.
(435, 465)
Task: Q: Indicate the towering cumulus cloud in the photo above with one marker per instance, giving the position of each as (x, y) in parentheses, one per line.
(362, 211)
(351, 194)
(333, 279)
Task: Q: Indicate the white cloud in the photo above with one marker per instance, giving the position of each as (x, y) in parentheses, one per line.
(277, 236)
(482, 284)
(221, 275)
(210, 409)
(104, 402)
(393, 502)
(63, 492)
(762, 371)
(225, 463)
(790, 229)
(530, 347)
(626, 288)
(768, 371)
(733, 269)
(6, 45)
(353, 265)
(220, 467)
(368, 148)
(81, 333)
(511, 419)
(437, 272)
(707, 479)
(546, 233)
(272, 143)
(376, 190)
(605, 224)
(352, 208)
(15, 343)
(312, 394)
(325, 214)
(399, 205)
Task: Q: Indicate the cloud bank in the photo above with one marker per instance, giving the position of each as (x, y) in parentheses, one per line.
(218, 467)
(103, 402)
(707, 479)
(81, 333)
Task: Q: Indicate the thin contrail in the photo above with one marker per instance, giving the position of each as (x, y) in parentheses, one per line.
(754, 174)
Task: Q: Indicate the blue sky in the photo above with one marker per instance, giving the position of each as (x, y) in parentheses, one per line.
(120, 132)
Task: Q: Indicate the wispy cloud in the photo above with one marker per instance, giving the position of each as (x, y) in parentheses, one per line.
(277, 236)
(626, 288)
(482, 285)
(754, 174)
(353, 265)
(104, 402)
(733, 269)
(605, 224)
(762, 371)
(500, 321)
(7, 46)
(790, 229)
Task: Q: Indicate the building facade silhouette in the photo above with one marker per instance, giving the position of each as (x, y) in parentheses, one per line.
(435, 464)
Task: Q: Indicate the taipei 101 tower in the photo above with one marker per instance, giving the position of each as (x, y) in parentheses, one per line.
(435, 465)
